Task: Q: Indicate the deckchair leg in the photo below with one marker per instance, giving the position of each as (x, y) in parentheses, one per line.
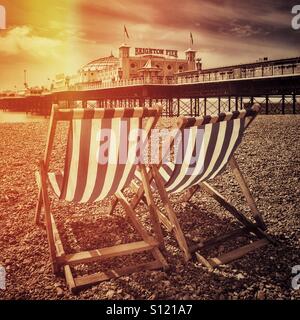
(151, 205)
(229, 207)
(138, 226)
(171, 214)
(38, 207)
(135, 188)
(113, 204)
(48, 218)
(39, 204)
(140, 193)
(139, 196)
(190, 192)
(235, 254)
(245, 189)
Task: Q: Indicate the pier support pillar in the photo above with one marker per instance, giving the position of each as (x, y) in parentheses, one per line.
(294, 103)
(267, 104)
(283, 104)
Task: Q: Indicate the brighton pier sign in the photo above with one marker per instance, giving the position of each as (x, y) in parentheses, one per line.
(171, 53)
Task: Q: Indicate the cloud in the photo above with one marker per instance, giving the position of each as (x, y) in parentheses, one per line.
(59, 36)
(22, 41)
(243, 30)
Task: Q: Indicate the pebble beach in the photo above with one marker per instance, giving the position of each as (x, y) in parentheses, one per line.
(269, 158)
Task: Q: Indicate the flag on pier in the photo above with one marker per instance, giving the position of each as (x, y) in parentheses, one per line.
(126, 32)
(192, 39)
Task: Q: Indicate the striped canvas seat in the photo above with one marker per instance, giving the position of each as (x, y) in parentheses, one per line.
(84, 178)
(207, 149)
(103, 151)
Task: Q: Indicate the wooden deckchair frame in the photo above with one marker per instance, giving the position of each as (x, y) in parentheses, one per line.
(59, 259)
(171, 222)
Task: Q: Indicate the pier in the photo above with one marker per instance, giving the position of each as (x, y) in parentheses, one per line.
(273, 84)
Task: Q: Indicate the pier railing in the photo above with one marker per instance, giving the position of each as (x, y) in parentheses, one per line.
(278, 71)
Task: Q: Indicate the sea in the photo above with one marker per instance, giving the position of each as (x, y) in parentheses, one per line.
(19, 117)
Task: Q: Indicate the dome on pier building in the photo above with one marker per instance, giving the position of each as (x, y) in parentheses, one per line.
(103, 69)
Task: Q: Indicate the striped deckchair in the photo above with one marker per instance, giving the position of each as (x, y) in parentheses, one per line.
(88, 177)
(209, 145)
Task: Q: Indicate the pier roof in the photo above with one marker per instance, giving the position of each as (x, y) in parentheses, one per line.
(101, 63)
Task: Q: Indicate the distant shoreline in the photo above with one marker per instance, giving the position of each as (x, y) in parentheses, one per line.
(19, 117)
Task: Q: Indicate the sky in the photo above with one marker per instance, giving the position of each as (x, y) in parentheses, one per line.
(51, 37)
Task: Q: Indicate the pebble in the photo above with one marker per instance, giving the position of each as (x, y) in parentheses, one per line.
(240, 276)
(110, 294)
(263, 274)
(59, 292)
(260, 295)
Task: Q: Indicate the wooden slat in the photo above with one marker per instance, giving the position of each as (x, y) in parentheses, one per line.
(245, 189)
(69, 278)
(103, 276)
(47, 157)
(171, 214)
(132, 215)
(215, 241)
(160, 258)
(58, 243)
(252, 227)
(203, 261)
(109, 252)
(113, 204)
(135, 189)
(235, 254)
(189, 193)
(163, 219)
(46, 201)
(151, 205)
(50, 137)
(166, 222)
(229, 207)
(140, 229)
(134, 186)
(38, 210)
